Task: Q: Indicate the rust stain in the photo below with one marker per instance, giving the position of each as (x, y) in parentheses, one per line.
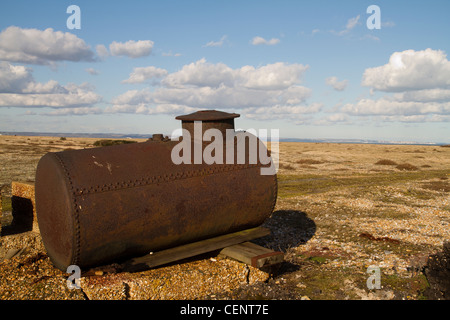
(92, 217)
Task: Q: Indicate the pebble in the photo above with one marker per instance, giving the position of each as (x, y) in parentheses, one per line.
(32, 276)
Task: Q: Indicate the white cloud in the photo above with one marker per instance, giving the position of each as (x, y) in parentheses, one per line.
(146, 109)
(102, 51)
(18, 79)
(131, 48)
(386, 106)
(19, 89)
(272, 76)
(141, 74)
(336, 118)
(426, 95)
(410, 70)
(351, 24)
(417, 86)
(200, 73)
(387, 24)
(170, 54)
(216, 43)
(45, 47)
(92, 71)
(336, 84)
(79, 111)
(75, 97)
(14, 78)
(133, 97)
(259, 40)
(278, 112)
(272, 90)
(269, 77)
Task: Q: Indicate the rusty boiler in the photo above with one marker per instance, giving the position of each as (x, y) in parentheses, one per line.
(102, 205)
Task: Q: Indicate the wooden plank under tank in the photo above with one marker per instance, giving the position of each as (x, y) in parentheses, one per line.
(193, 249)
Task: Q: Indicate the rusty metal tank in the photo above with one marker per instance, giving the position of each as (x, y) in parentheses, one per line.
(102, 205)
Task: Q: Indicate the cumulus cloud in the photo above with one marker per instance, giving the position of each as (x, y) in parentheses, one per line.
(278, 112)
(203, 74)
(131, 48)
(18, 88)
(19, 79)
(75, 96)
(102, 51)
(426, 95)
(260, 40)
(14, 78)
(410, 70)
(45, 47)
(142, 74)
(273, 90)
(272, 76)
(200, 73)
(416, 86)
(336, 84)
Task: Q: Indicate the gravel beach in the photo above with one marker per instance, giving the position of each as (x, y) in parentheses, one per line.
(339, 210)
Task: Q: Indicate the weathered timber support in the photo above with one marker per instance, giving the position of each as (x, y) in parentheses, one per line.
(23, 206)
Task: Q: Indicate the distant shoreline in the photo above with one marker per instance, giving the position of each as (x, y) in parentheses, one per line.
(146, 136)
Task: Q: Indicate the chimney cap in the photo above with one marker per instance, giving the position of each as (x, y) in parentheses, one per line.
(208, 115)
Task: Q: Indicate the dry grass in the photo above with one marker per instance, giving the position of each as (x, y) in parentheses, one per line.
(286, 166)
(407, 166)
(441, 186)
(386, 162)
(309, 161)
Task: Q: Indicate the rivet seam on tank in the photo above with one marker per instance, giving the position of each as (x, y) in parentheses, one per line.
(164, 178)
(76, 257)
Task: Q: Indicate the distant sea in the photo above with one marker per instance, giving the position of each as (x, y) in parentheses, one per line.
(146, 136)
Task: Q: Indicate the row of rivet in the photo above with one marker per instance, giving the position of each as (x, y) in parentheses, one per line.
(76, 258)
(162, 178)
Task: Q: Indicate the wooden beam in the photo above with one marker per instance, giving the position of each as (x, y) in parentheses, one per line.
(253, 254)
(193, 249)
(24, 206)
(1, 208)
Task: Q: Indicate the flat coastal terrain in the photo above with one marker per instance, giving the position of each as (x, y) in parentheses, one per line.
(341, 208)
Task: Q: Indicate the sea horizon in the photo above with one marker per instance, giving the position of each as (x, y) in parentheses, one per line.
(284, 139)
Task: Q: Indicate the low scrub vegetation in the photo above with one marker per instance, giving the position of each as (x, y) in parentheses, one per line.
(106, 142)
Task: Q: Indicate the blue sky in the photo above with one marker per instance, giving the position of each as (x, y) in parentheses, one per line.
(311, 69)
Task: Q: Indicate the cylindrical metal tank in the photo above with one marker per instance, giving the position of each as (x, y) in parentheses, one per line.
(103, 205)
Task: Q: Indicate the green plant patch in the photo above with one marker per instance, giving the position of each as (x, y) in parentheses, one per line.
(6, 204)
